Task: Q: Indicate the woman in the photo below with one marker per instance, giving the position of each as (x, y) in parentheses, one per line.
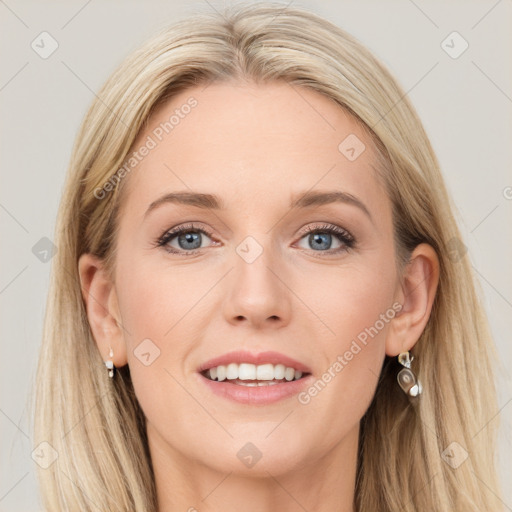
(254, 240)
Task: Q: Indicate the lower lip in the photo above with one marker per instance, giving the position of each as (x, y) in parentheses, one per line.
(257, 395)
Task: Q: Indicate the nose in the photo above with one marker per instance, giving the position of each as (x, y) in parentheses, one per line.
(259, 294)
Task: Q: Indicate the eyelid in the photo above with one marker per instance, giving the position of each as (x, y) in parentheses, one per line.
(327, 227)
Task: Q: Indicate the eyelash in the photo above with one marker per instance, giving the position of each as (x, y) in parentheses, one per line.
(343, 236)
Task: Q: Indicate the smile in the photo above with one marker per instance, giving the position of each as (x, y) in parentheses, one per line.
(247, 374)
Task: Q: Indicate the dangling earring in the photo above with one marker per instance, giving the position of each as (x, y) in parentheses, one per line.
(110, 364)
(406, 378)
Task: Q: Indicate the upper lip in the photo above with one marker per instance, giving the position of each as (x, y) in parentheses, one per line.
(242, 356)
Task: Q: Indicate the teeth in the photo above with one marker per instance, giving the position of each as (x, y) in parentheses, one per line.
(251, 372)
(247, 371)
(232, 371)
(255, 384)
(279, 370)
(265, 372)
(221, 373)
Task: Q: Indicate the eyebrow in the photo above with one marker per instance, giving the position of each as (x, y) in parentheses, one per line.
(302, 200)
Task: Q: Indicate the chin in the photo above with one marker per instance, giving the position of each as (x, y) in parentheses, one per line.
(256, 456)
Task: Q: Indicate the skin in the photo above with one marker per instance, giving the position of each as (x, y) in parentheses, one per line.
(255, 146)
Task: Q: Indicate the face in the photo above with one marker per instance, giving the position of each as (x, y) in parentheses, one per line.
(311, 287)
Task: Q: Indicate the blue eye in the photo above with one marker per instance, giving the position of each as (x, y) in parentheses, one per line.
(189, 239)
(320, 238)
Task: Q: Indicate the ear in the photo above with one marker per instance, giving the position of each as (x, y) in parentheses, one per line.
(416, 293)
(100, 298)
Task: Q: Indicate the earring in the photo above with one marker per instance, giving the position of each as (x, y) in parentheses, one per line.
(110, 364)
(406, 378)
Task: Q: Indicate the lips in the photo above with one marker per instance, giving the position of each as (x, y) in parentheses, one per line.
(255, 379)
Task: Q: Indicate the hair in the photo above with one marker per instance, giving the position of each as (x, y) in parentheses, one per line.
(96, 425)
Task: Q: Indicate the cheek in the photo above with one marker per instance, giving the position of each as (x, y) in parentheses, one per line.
(155, 297)
(160, 309)
(364, 314)
(357, 306)
(352, 301)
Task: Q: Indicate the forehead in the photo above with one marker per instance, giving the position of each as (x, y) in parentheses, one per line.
(245, 142)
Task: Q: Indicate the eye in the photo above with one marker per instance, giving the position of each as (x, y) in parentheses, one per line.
(321, 238)
(188, 239)
(183, 239)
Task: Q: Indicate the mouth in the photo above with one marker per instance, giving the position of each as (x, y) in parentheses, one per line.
(251, 375)
(255, 379)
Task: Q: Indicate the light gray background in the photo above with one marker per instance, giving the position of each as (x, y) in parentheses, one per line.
(465, 104)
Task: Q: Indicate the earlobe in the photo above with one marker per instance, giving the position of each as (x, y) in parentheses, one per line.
(100, 299)
(416, 292)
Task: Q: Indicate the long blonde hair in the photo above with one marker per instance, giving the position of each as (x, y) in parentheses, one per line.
(97, 427)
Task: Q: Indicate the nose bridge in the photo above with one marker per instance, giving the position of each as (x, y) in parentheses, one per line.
(257, 291)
